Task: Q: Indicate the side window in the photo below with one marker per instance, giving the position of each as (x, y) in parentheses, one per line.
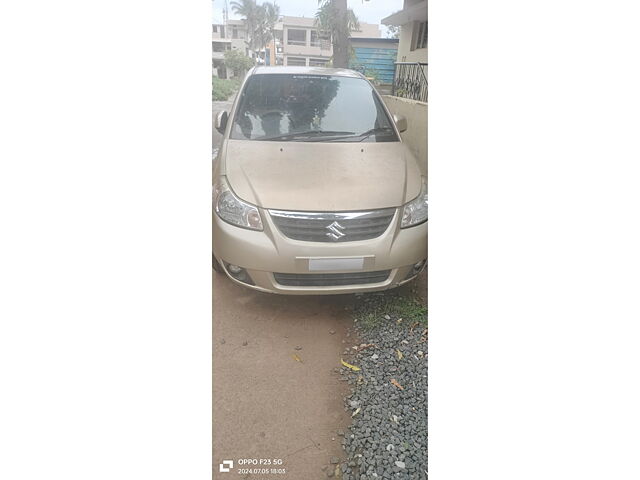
(419, 36)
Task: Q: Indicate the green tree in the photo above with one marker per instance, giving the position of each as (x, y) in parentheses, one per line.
(259, 21)
(393, 31)
(237, 62)
(336, 21)
(272, 15)
(248, 10)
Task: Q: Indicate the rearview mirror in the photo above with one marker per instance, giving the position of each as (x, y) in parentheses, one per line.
(401, 122)
(221, 121)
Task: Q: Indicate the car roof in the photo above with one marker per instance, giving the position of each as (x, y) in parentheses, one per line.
(340, 72)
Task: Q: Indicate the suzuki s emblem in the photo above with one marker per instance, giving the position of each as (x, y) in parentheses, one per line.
(335, 231)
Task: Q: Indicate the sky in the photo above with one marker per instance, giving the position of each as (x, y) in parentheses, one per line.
(371, 11)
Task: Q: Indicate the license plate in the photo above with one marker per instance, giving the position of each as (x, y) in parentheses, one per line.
(332, 264)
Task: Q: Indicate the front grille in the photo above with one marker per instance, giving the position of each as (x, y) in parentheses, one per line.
(330, 279)
(332, 227)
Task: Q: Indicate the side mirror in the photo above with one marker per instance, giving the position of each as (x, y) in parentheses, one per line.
(221, 121)
(401, 122)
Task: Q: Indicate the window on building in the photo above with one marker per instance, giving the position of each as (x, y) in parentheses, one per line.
(296, 61)
(234, 33)
(318, 62)
(314, 40)
(420, 33)
(296, 37)
(215, 29)
(219, 47)
(221, 31)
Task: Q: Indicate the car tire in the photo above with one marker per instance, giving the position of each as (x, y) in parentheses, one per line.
(216, 265)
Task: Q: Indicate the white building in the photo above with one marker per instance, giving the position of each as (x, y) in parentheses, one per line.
(303, 46)
(297, 42)
(412, 20)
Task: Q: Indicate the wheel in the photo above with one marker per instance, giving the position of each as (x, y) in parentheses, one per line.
(216, 265)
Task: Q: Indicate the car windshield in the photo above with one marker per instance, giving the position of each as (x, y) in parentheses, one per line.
(317, 108)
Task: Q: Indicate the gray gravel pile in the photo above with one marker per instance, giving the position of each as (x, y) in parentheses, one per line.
(388, 436)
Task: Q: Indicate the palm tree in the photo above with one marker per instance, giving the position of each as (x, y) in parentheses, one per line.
(259, 20)
(272, 15)
(335, 20)
(249, 10)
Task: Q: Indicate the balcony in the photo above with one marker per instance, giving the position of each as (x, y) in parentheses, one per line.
(410, 81)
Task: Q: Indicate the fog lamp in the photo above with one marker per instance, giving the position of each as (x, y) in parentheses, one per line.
(239, 273)
(234, 269)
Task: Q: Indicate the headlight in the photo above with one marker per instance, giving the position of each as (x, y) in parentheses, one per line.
(416, 211)
(233, 210)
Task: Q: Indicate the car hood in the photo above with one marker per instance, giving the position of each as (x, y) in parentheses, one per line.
(321, 176)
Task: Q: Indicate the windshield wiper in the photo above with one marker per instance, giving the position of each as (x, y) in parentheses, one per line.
(307, 134)
(368, 133)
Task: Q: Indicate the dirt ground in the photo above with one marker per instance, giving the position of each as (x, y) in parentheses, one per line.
(267, 404)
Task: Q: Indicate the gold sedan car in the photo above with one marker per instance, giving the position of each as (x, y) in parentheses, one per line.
(314, 191)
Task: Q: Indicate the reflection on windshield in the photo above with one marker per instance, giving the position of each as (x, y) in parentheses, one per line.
(283, 105)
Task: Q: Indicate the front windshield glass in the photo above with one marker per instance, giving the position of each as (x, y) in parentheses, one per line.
(319, 108)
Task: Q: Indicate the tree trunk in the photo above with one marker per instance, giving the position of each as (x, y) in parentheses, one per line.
(341, 39)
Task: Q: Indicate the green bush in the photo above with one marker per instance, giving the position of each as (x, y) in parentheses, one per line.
(223, 89)
(237, 62)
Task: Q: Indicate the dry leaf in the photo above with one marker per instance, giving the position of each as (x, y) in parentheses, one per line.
(356, 412)
(363, 346)
(348, 365)
(296, 358)
(399, 354)
(414, 326)
(395, 383)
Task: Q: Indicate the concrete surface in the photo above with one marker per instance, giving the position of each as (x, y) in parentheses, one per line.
(266, 403)
(417, 118)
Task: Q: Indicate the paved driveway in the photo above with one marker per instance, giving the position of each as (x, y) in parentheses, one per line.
(275, 392)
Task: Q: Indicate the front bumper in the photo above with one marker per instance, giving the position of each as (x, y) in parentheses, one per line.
(263, 253)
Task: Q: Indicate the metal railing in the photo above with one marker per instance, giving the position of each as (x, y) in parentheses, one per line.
(410, 81)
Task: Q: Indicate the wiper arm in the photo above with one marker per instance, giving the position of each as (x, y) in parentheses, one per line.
(368, 133)
(308, 134)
